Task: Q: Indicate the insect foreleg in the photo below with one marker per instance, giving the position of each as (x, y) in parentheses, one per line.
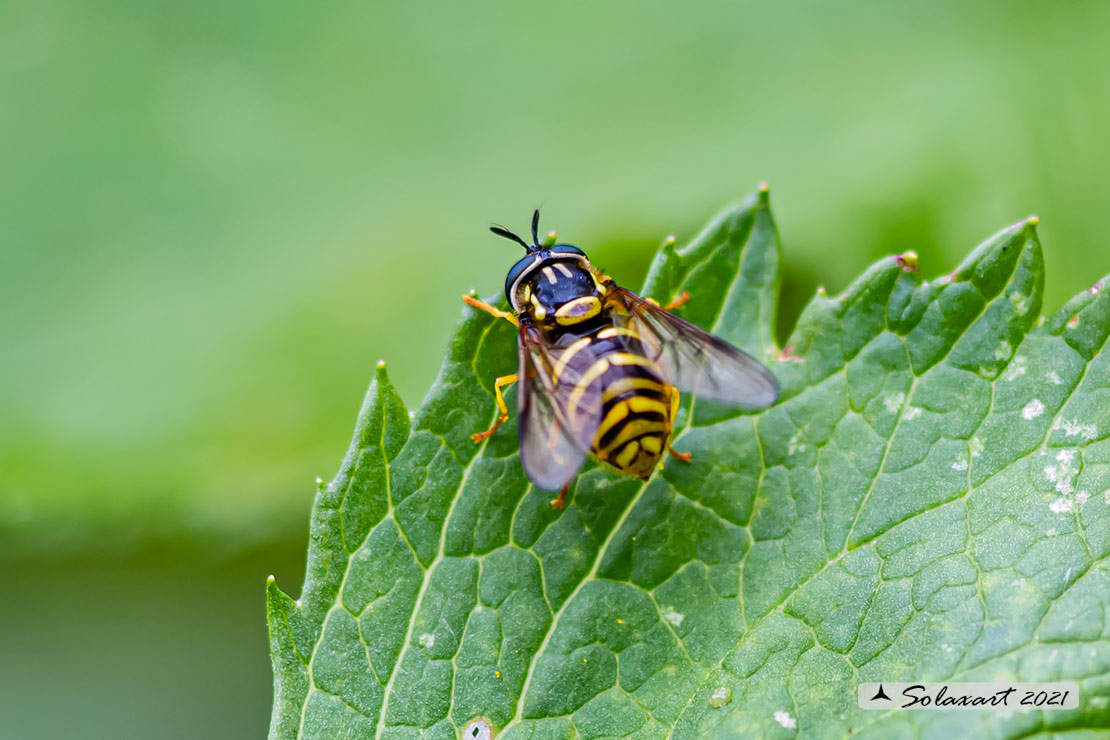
(673, 304)
(678, 301)
(503, 407)
(472, 301)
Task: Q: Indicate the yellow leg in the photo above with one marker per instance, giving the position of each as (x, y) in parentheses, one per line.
(561, 500)
(678, 301)
(683, 456)
(472, 301)
(673, 304)
(498, 384)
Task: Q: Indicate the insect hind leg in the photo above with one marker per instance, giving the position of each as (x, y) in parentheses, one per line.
(503, 407)
(561, 500)
(680, 456)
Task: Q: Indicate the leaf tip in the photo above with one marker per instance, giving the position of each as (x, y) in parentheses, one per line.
(764, 193)
(273, 593)
(907, 261)
(1029, 226)
(382, 376)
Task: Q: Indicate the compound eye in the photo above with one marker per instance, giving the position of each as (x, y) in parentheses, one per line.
(567, 249)
(515, 272)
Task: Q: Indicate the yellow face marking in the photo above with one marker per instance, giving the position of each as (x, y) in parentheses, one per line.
(550, 275)
(578, 310)
(653, 445)
(596, 370)
(622, 385)
(563, 269)
(597, 282)
(537, 309)
(616, 331)
(568, 353)
(614, 417)
(627, 455)
(642, 404)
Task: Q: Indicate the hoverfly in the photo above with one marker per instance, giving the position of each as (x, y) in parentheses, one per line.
(601, 368)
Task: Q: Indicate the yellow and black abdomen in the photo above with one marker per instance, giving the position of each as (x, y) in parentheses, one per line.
(638, 407)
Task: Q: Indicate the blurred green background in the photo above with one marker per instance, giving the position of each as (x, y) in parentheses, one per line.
(216, 217)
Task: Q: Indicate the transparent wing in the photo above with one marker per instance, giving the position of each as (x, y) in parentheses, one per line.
(558, 418)
(692, 359)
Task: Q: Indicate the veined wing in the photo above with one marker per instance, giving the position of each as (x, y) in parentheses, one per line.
(559, 405)
(692, 359)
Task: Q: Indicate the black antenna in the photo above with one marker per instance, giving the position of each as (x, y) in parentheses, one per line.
(502, 231)
(536, 228)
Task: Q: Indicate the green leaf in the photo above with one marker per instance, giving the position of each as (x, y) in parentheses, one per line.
(930, 499)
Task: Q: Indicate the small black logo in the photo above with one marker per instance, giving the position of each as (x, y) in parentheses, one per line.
(880, 694)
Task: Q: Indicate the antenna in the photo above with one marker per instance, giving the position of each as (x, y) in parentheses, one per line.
(535, 245)
(502, 231)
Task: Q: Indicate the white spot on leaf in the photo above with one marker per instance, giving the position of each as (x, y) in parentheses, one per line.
(975, 446)
(1062, 474)
(427, 640)
(1074, 429)
(912, 413)
(1032, 410)
(672, 616)
(1015, 370)
(796, 444)
(1004, 351)
(721, 696)
(1081, 497)
(1061, 505)
(478, 729)
(893, 403)
(1054, 378)
(784, 719)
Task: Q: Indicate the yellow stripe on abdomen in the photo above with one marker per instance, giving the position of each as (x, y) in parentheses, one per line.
(633, 428)
(632, 383)
(614, 416)
(627, 358)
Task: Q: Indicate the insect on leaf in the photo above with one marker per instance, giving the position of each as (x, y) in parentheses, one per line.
(929, 500)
